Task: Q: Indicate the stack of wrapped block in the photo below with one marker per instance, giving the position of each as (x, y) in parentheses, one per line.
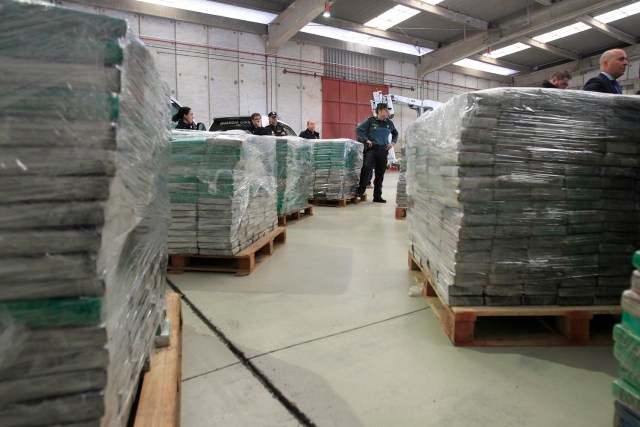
(401, 191)
(294, 157)
(337, 164)
(230, 177)
(187, 153)
(525, 196)
(626, 389)
(83, 215)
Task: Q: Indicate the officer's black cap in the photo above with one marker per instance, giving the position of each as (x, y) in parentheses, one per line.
(273, 114)
(382, 105)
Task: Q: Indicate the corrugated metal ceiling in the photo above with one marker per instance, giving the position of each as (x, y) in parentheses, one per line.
(514, 15)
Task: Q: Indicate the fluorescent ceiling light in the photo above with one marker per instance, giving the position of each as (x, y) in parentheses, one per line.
(434, 2)
(477, 65)
(614, 15)
(218, 9)
(623, 12)
(392, 17)
(507, 50)
(365, 39)
(562, 32)
(244, 14)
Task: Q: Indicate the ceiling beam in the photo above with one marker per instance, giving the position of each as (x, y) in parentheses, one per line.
(558, 13)
(445, 13)
(608, 30)
(480, 74)
(291, 20)
(457, 51)
(501, 63)
(352, 26)
(546, 2)
(549, 48)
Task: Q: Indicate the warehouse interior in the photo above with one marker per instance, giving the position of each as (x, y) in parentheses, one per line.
(332, 328)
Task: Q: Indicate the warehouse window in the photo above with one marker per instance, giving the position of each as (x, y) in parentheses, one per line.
(357, 67)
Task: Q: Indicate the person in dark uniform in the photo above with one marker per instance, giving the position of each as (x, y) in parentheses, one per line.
(184, 117)
(256, 125)
(274, 128)
(613, 64)
(374, 134)
(310, 131)
(558, 80)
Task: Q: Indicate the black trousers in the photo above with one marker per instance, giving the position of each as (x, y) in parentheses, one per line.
(374, 159)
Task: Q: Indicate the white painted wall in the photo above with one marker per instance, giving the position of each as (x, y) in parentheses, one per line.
(220, 72)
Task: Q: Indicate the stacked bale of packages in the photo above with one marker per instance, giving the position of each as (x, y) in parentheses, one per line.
(223, 187)
(187, 154)
(526, 196)
(83, 219)
(237, 197)
(401, 191)
(294, 157)
(626, 389)
(337, 165)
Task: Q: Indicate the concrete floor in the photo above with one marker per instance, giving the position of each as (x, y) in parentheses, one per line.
(330, 337)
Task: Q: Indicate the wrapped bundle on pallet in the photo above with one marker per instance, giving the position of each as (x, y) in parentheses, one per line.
(223, 191)
(237, 194)
(83, 215)
(294, 157)
(337, 165)
(525, 196)
(626, 389)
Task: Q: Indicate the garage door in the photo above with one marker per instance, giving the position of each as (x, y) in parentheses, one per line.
(344, 105)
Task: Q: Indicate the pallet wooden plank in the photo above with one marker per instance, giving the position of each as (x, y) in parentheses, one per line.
(159, 400)
(462, 325)
(295, 216)
(243, 263)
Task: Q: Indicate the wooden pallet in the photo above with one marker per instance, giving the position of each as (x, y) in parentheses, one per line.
(159, 399)
(296, 215)
(401, 212)
(520, 325)
(341, 203)
(242, 264)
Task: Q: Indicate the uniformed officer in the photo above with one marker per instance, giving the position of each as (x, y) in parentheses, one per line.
(274, 128)
(374, 134)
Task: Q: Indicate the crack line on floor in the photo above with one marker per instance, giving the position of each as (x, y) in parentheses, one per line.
(338, 333)
(210, 372)
(257, 373)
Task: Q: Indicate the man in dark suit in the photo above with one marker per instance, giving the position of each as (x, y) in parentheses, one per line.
(613, 64)
(310, 131)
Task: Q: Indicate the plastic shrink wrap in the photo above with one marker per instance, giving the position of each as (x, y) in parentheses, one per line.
(401, 190)
(223, 191)
(337, 164)
(526, 196)
(626, 335)
(294, 157)
(83, 215)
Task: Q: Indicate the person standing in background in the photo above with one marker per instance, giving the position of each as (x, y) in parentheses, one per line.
(374, 134)
(255, 127)
(310, 131)
(274, 128)
(184, 117)
(613, 64)
(558, 80)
